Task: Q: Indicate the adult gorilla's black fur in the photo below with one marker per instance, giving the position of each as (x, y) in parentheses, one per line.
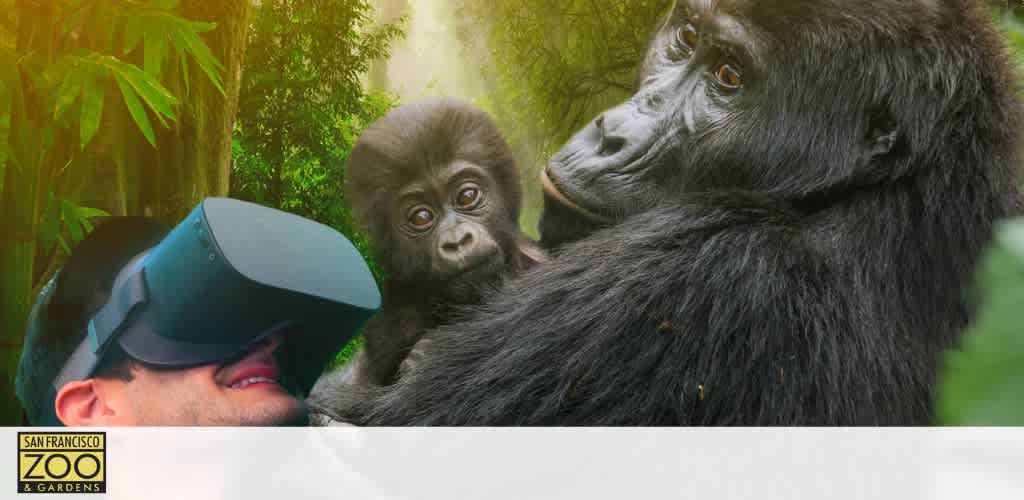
(807, 259)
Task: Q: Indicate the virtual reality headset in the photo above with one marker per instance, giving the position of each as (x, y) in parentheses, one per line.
(227, 277)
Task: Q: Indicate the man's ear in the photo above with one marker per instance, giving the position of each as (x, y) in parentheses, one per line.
(82, 403)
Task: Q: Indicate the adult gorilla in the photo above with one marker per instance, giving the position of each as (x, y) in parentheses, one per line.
(804, 188)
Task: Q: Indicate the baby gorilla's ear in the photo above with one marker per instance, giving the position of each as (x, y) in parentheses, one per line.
(528, 253)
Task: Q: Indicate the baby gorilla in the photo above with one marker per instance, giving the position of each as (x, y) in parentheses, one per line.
(437, 189)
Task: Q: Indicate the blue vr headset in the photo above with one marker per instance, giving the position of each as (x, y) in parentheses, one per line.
(229, 275)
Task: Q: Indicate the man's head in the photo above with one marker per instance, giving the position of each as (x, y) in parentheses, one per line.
(124, 391)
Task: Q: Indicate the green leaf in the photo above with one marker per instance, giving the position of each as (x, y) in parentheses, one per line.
(92, 109)
(133, 29)
(68, 92)
(76, 218)
(190, 41)
(154, 53)
(164, 4)
(135, 109)
(158, 98)
(184, 72)
(983, 382)
(84, 213)
(76, 231)
(64, 245)
(49, 228)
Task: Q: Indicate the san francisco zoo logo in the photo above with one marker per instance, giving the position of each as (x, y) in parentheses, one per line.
(62, 462)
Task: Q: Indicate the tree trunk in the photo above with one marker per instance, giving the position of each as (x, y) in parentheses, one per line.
(193, 159)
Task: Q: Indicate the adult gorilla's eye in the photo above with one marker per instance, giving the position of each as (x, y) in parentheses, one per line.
(728, 76)
(468, 197)
(421, 218)
(686, 41)
(688, 35)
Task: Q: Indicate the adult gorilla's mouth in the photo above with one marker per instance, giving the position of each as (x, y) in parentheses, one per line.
(557, 193)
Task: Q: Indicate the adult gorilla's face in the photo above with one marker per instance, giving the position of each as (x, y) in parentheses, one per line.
(717, 108)
(692, 83)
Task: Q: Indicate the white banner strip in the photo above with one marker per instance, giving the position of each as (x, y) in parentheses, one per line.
(354, 463)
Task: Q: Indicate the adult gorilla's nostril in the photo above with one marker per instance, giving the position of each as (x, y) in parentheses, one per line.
(611, 139)
(611, 145)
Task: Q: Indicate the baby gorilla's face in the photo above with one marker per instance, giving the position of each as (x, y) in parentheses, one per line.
(449, 228)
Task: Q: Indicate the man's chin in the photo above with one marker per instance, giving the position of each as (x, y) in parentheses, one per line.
(276, 409)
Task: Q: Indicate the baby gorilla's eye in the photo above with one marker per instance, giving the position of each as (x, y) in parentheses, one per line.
(421, 218)
(728, 76)
(468, 197)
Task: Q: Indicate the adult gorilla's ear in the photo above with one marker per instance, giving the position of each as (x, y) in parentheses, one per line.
(883, 133)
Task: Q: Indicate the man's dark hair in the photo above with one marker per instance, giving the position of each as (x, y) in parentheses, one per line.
(59, 319)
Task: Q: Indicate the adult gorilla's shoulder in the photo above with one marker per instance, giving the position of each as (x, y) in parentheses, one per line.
(797, 195)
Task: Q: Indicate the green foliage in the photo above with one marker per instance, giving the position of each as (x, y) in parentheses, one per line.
(1013, 27)
(57, 61)
(64, 215)
(160, 30)
(553, 65)
(83, 77)
(983, 384)
(303, 105)
(558, 63)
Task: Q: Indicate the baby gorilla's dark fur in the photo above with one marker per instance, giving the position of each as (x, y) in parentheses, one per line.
(799, 193)
(437, 189)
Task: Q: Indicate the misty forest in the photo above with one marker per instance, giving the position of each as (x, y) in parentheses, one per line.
(145, 107)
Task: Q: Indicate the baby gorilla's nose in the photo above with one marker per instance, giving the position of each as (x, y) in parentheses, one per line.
(458, 239)
(464, 247)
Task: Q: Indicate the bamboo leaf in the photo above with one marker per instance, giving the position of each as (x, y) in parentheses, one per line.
(49, 229)
(135, 109)
(132, 32)
(92, 109)
(76, 231)
(158, 98)
(164, 4)
(89, 212)
(201, 27)
(68, 92)
(190, 41)
(64, 245)
(154, 53)
(184, 72)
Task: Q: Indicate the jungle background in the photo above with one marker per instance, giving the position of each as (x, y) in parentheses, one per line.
(145, 107)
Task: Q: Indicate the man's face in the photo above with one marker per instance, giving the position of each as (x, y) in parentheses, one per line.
(242, 391)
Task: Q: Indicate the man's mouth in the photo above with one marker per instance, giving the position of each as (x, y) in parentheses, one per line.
(260, 375)
(552, 190)
(252, 380)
